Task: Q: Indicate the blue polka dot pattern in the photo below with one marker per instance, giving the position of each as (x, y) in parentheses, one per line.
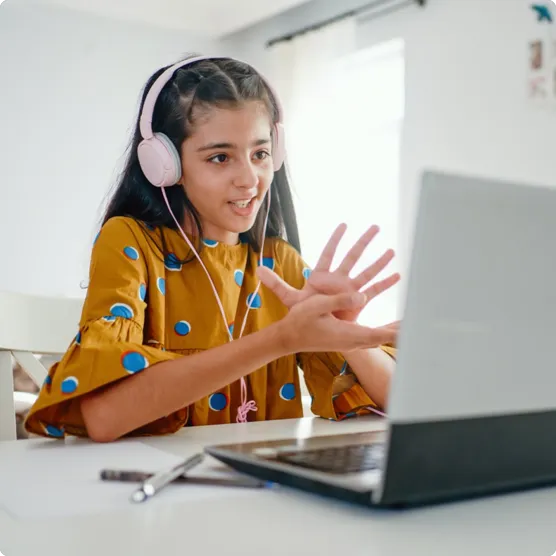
(69, 385)
(171, 262)
(54, 431)
(182, 328)
(78, 339)
(231, 328)
(131, 253)
(133, 362)
(210, 242)
(161, 285)
(254, 301)
(344, 368)
(218, 401)
(268, 262)
(287, 392)
(149, 227)
(238, 277)
(109, 318)
(47, 381)
(142, 292)
(96, 237)
(121, 310)
(306, 273)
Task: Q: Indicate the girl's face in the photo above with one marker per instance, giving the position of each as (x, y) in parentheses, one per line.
(227, 169)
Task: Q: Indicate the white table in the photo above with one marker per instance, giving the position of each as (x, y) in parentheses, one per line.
(283, 522)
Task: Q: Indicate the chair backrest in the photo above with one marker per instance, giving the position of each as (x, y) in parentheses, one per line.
(38, 324)
(30, 325)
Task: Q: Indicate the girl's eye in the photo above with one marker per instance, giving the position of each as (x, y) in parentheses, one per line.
(218, 158)
(221, 158)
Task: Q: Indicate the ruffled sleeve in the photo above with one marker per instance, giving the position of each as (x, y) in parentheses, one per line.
(110, 343)
(335, 391)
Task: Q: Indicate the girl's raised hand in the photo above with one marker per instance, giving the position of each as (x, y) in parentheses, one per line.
(323, 280)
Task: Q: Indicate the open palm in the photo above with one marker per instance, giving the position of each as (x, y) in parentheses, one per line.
(323, 280)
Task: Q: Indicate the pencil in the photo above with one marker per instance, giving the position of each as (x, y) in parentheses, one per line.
(128, 476)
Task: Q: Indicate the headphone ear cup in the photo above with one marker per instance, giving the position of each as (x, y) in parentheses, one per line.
(159, 160)
(279, 152)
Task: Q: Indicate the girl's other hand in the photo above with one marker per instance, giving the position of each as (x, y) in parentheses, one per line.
(311, 326)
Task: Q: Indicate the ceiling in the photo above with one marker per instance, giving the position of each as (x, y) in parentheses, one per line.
(207, 17)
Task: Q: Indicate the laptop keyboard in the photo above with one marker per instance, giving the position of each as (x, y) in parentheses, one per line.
(337, 459)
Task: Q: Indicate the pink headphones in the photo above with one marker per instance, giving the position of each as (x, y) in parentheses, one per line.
(159, 159)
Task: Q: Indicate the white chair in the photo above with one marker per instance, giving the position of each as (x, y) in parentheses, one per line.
(31, 325)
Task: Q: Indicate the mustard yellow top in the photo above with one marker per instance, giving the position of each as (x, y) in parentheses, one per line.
(141, 309)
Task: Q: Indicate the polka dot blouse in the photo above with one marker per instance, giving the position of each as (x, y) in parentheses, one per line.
(142, 308)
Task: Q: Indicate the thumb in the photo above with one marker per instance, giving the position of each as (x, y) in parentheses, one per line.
(339, 302)
(281, 289)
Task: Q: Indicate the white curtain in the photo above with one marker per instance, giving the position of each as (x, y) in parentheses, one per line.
(343, 115)
(298, 65)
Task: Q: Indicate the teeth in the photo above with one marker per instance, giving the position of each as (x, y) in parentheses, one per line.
(242, 204)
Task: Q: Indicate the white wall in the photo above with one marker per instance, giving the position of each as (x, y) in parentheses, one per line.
(70, 83)
(466, 96)
(466, 107)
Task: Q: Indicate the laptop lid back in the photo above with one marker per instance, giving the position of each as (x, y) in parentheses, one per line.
(472, 404)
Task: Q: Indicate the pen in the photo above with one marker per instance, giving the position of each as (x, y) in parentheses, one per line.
(158, 481)
(140, 476)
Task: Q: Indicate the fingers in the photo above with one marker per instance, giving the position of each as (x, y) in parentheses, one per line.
(381, 336)
(373, 270)
(283, 291)
(392, 325)
(394, 330)
(327, 255)
(317, 329)
(354, 254)
(359, 337)
(381, 286)
(324, 304)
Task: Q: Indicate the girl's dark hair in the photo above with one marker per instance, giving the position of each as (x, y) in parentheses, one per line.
(221, 82)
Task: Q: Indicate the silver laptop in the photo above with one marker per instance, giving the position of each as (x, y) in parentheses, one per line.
(472, 404)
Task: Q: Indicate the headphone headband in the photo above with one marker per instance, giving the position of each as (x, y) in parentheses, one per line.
(145, 121)
(158, 157)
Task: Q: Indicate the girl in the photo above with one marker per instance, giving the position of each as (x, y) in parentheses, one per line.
(202, 214)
